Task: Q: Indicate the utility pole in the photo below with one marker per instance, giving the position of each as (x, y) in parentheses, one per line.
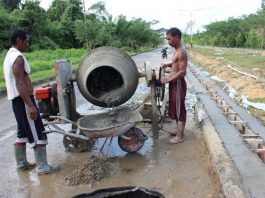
(191, 23)
(85, 29)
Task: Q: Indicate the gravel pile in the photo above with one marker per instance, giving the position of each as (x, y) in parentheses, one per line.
(91, 171)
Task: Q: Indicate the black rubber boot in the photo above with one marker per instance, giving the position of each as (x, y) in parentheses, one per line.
(21, 157)
(41, 160)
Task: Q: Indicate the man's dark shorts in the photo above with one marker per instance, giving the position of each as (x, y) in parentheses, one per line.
(28, 130)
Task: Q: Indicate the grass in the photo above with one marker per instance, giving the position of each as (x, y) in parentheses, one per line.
(235, 57)
(258, 100)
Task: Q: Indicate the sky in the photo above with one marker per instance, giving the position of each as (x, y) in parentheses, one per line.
(176, 13)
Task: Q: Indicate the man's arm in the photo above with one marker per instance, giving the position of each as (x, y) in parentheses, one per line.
(165, 65)
(22, 86)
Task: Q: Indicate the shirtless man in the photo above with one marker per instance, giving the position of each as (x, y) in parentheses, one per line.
(177, 84)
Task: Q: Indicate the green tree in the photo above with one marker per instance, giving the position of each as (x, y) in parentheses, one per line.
(253, 41)
(34, 19)
(240, 39)
(7, 22)
(10, 5)
(56, 10)
(99, 10)
(72, 12)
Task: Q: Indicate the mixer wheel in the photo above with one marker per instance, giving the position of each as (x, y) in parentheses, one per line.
(133, 141)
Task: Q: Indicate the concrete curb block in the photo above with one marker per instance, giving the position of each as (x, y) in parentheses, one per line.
(227, 172)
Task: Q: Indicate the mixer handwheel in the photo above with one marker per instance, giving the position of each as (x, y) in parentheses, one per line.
(157, 95)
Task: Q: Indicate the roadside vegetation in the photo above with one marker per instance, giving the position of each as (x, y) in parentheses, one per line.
(64, 25)
(247, 31)
(216, 61)
(245, 59)
(239, 43)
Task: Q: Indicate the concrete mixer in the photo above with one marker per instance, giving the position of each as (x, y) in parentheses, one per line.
(106, 77)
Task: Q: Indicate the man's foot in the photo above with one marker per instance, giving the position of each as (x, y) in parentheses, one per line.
(175, 140)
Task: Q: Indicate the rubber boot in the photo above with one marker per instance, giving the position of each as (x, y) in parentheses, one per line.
(21, 157)
(41, 160)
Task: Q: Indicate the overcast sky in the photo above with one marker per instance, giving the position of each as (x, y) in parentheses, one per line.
(176, 13)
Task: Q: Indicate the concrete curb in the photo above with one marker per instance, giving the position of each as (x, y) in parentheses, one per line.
(228, 174)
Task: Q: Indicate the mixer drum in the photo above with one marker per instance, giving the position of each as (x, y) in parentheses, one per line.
(107, 77)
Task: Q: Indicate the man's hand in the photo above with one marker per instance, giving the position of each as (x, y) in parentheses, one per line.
(164, 66)
(33, 113)
(164, 80)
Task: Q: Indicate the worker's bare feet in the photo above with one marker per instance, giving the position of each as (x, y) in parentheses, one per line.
(175, 140)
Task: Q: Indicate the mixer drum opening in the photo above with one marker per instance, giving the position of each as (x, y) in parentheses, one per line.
(107, 77)
(104, 81)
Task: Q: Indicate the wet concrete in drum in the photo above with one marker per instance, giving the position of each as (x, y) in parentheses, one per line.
(181, 170)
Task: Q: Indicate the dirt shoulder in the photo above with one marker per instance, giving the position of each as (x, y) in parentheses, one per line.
(216, 62)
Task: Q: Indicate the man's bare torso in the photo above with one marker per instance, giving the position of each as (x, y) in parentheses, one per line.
(178, 55)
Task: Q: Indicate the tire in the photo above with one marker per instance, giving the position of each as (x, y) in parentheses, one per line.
(134, 145)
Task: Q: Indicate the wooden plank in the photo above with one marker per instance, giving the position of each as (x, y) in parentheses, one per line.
(243, 73)
(250, 135)
(228, 113)
(237, 121)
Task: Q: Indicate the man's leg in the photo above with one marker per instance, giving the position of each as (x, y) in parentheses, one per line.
(21, 157)
(180, 134)
(41, 161)
(181, 89)
(20, 144)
